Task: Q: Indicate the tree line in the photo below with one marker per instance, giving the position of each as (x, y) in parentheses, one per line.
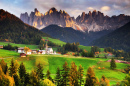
(118, 53)
(16, 75)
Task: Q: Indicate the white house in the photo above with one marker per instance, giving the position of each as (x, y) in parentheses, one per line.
(21, 50)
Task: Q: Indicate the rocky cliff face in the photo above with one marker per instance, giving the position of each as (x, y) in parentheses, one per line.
(96, 21)
(53, 16)
(92, 21)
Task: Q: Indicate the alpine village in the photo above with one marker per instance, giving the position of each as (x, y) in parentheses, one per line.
(64, 42)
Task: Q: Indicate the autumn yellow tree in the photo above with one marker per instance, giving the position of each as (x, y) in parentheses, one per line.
(26, 49)
(104, 81)
(80, 75)
(91, 79)
(73, 75)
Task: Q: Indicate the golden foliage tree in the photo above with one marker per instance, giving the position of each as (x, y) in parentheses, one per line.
(91, 79)
(80, 75)
(104, 81)
(73, 75)
(47, 82)
(26, 49)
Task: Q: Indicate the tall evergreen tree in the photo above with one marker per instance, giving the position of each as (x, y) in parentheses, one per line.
(65, 74)
(112, 64)
(39, 71)
(48, 75)
(17, 80)
(91, 79)
(22, 70)
(73, 75)
(34, 79)
(80, 75)
(58, 77)
(12, 68)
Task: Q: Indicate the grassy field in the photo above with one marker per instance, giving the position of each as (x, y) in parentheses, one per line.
(7, 53)
(20, 45)
(56, 41)
(51, 62)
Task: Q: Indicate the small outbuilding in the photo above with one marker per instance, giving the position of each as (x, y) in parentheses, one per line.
(1, 46)
(22, 55)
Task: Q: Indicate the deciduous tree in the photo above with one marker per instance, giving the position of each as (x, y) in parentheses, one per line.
(91, 79)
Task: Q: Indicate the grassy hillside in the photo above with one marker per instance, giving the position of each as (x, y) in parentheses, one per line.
(56, 41)
(51, 62)
(7, 53)
(20, 45)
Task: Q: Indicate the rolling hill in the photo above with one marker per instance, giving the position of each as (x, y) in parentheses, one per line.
(66, 34)
(118, 39)
(12, 29)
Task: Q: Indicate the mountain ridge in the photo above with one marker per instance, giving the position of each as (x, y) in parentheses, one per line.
(92, 21)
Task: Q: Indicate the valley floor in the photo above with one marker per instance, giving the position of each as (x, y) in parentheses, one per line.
(51, 62)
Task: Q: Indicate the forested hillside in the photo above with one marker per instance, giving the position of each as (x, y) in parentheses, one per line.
(12, 29)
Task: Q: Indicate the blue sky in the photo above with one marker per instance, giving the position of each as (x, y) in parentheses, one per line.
(72, 7)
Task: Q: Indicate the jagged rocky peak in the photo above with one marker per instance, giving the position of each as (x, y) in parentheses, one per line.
(61, 11)
(35, 10)
(53, 9)
(37, 13)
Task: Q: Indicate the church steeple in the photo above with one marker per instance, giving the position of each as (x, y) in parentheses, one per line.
(46, 47)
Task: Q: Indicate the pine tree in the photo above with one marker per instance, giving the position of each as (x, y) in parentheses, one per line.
(80, 75)
(39, 71)
(12, 68)
(22, 70)
(34, 79)
(104, 81)
(48, 75)
(65, 74)
(58, 77)
(17, 80)
(112, 64)
(91, 79)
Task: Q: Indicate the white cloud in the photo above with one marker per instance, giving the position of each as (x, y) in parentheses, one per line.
(105, 8)
(90, 8)
(75, 13)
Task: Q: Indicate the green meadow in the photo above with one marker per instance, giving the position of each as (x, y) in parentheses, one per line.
(56, 41)
(51, 62)
(20, 45)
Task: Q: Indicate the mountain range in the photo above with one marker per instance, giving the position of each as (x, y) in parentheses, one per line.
(92, 21)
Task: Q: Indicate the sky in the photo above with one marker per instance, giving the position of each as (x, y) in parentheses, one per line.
(72, 7)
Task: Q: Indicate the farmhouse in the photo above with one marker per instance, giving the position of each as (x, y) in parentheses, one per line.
(1, 46)
(21, 50)
(34, 51)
